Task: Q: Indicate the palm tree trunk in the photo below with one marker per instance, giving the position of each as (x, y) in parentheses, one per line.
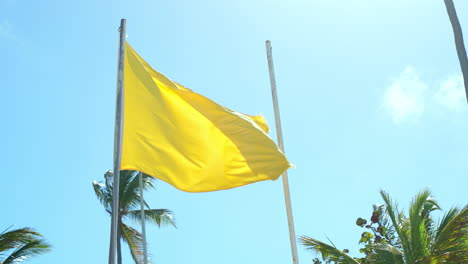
(460, 45)
(119, 244)
(110, 243)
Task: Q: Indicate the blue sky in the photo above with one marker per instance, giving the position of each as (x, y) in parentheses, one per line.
(370, 94)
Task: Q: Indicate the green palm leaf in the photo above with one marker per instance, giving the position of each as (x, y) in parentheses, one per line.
(328, 252)
(134, 239)
(11, 239)
(24, 242)
(27, 251)
(130, 188)
(400, 223)
(386, 254)
(160, 217)
(104, 194)
(420, 223)
(451, 243)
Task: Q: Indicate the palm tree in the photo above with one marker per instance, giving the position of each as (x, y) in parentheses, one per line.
(129, 209)
(415, 238)
(21, 244)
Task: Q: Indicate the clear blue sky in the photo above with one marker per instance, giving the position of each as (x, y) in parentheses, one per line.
(370, 96)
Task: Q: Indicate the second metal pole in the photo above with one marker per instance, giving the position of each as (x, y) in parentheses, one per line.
(279, 133)
(143, 227)
(459, 43)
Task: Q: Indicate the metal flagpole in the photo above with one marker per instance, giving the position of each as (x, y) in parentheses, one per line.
(459, 43)
(279, 133)
(117, 144)
(143, 227)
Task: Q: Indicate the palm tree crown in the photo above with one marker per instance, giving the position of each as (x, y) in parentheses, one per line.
(129, 209)
(406, 239)
(21, 244)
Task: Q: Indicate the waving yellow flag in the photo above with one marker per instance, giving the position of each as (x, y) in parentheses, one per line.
(187, 140)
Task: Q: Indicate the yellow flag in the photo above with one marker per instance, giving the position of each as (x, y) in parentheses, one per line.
(187, 140)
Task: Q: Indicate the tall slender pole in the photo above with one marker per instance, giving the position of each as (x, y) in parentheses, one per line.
(143, 227)
(117, 143)
(459, 44)
(279, 133)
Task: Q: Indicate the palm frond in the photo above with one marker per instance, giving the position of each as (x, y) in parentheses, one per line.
(15, 238)
(399, 223)
(327, 251)
(130, 189)
(445, 221)
(160, 217)
(103, 193)
(128, 196)
(134, 239)
(451, 242)
(386, 254)
(420, 223)
(26, 250)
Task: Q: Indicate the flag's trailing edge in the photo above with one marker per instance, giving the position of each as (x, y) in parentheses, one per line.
(189, 141)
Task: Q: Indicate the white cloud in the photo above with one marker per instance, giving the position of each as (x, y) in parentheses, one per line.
(451, 93)
(404, 98)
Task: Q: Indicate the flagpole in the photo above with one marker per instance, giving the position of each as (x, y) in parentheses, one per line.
(117, 143)
(459, 43)
(143, 227)
(279, 133)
